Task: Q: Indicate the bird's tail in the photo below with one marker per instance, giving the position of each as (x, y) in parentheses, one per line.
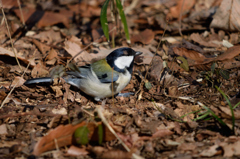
(41, 81)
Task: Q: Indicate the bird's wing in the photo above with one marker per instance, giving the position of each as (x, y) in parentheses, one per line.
(104, 72)
(81, 72)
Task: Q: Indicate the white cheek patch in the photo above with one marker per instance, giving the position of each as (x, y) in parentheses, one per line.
(123, 61)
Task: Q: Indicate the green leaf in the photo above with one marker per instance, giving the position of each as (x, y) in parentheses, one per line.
(81, 135)
(190, 113)
(230, 106)
(224, 74)
(103, 19)
(202, 116)
(235, 106)
(215, 116)
(213, 67)
(183, 63)
(148, 85)
(123, 19)
(100, 134)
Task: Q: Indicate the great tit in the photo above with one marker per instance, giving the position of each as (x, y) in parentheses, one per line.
(103, 78)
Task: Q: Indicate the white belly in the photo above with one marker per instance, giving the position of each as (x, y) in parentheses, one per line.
(93, 87)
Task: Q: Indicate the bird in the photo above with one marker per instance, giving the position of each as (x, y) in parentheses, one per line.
(103, 78)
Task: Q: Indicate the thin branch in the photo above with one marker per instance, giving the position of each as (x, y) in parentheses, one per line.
(5, 19)
(20, 8)
(180, 20)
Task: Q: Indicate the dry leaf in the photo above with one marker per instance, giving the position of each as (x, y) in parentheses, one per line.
(231, 150)
(229, 54)
(41, 46)
(52, 54)
(26, 12)
(39, 71)
(227, 111)
(199, 39)
(63, 135)
(190, 54)
(18, 81)
(76, 151)
(144, 37)
(48, 36)
(6, 52)
(51, 18)
(186, 5)
(162, 133)
(212, 151)
(85, 10)
(227, 16)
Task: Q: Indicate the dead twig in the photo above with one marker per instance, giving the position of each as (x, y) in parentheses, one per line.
(5, 19)
(180, 20)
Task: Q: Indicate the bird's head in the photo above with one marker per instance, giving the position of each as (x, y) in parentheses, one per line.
(122, 58)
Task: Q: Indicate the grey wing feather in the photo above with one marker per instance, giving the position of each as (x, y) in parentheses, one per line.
(82, 74)
(108, 77)
(74, 77)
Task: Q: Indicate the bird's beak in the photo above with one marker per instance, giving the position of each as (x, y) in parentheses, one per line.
(138, 53)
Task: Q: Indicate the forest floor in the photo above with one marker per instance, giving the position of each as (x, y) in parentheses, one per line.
(185, 85)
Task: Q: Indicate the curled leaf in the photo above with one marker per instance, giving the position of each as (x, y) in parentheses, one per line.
(183, 63)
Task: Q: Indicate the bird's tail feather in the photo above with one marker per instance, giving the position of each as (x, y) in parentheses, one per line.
(44, 80)
(73, 81)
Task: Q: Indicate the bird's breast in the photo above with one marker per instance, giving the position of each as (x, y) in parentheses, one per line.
(122, 82)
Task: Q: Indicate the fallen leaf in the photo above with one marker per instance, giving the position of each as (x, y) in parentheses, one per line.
(6, 52)
(156, 68)
(144, 37)
(48, 36)
(85, 10)
(63, 135)
(227, 111)
(39, 71)
(212, 151)
(231, 150)
(8, 4)
(76, 151)
(196, 37)
(229, 54)
(113, 154)
(41, 46)
(18, 81)
(3, 129)
(227, 16)
(51, 18)
(190, 54)
(183, 6)
(61, 111)
(162, 133)
(26, 12)
(52, 54)
(187, 146)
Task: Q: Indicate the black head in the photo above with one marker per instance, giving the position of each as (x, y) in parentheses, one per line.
(122, 58)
